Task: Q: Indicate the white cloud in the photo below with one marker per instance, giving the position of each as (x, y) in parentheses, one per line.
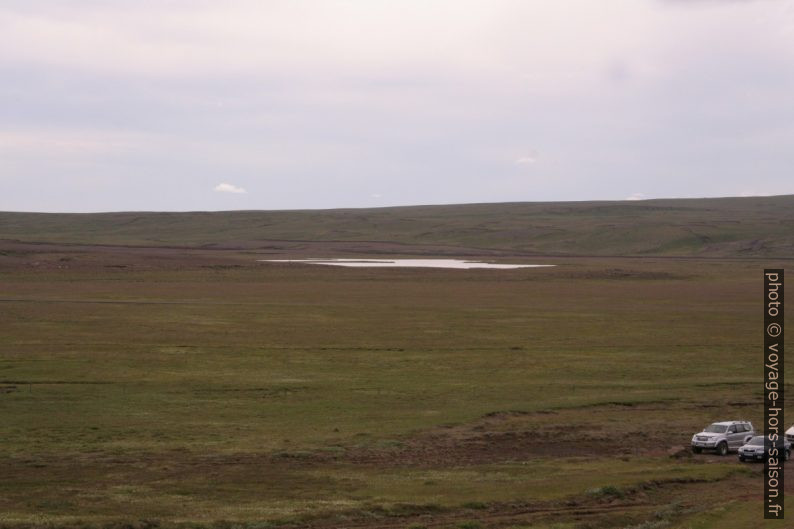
(229, 188)
(636, 196)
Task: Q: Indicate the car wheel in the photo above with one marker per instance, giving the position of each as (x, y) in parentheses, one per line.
(697, 449)
(741, 458)
(722, 449)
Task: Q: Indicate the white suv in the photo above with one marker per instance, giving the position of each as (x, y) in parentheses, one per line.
(723, 437)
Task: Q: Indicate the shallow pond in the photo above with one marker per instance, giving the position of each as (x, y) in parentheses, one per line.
(405, 263)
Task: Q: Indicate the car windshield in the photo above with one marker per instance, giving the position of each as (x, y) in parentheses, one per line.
(758, 440)
(716, 428)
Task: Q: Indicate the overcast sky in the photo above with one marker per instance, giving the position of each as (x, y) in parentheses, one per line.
(279, 104)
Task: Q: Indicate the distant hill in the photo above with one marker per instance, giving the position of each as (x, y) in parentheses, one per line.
(729, 227)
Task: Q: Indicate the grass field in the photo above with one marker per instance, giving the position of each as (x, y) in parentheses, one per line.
(160, 387)
(727, 227)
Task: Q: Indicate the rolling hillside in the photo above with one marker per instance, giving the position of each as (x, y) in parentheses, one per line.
(738, 227)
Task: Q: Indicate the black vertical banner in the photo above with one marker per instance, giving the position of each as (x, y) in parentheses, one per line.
(774, 422)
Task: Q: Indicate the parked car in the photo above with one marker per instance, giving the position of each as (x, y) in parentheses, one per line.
(757, 450)
(723, 437)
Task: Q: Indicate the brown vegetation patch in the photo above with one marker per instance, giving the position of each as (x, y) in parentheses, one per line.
(509, 436)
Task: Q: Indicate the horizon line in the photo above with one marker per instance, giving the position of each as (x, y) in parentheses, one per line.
(359, 208)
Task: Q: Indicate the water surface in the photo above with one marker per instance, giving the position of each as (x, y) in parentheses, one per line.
(405, 263)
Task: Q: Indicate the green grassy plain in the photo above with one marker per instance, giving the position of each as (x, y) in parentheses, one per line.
(200, 388)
